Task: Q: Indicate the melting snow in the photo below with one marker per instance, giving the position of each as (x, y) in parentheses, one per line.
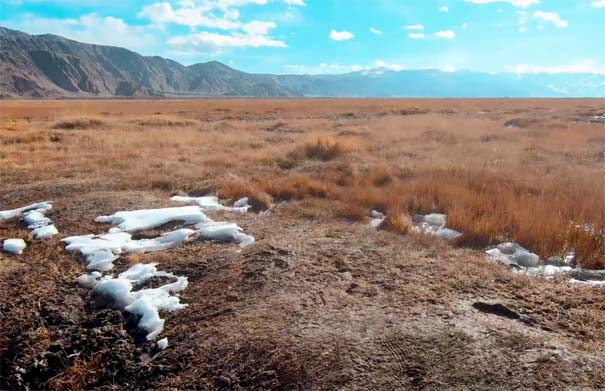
(14, 246)
(377, 218)
(45, 232)
(9, 214)
(163, 343)
(434, 224)
(138, 220)
(100, 251)
(33, 215)
(209, 203)
(513, 254)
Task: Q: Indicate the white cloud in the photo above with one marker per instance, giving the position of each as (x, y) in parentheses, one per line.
(445, 34)
(515, 3)
(206, 42)
(341, 35)
(584, 66)
(414, 27)
(89, 28)
(163, 13)
(416, 35)
(444, 9)
(598, 4)
(551, 17)
(300, 3)
(375, 31)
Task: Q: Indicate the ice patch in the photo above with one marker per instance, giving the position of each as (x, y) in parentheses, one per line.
(100, 251)
(513, 254)
(377, 218)
(434, 224)
(9, 214)
(210, 203)
(162, 343)
(146, 303)
(14, 246)
(45, 232)
(139, 220)
(33, 216)
(36, 219)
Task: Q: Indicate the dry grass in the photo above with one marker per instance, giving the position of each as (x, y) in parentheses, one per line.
(327, 148)
(79, 123)
(163, 121)
(396, 221)
(533, 183)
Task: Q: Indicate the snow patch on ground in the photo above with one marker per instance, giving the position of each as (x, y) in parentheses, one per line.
(211, 203)
(34, 216)
(377, 218)
(9, 214)
(14, 246)
(100, 251)
(434, 224)
(139, 220)
(528, 263)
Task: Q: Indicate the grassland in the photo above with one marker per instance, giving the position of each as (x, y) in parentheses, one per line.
(322, 301)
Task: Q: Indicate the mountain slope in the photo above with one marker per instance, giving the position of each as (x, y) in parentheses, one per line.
(49, 66)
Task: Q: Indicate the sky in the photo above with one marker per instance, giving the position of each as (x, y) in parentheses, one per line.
(335, 36)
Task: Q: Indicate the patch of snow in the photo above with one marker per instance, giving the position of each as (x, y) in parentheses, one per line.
(513, 254)
(36, 219)
(14, 246)
(162, 343)
(224, 231)
(377, 218)
(99, 252)
(545, 270)
(34, 216)
(89, 281)
(165, 241)
(139, 220)
(242, 203)
(434, 224)
(210, 203)
(9, 214)
(45, 232)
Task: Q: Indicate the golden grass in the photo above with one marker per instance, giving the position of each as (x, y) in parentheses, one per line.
(161, 121)
(79, 123)
(326, 148)
(534, 184)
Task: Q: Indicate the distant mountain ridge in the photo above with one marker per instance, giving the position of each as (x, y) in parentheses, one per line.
(50, 66)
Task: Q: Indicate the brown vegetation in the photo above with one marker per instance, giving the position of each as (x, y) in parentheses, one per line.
(495, 182)
(322, 300)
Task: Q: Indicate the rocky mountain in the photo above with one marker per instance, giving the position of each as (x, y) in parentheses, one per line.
(49, 66)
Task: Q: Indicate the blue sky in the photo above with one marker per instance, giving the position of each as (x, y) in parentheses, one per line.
(335, 36)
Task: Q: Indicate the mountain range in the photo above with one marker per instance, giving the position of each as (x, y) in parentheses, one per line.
(50, 66)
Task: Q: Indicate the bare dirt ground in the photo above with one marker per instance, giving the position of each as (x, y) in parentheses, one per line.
(321, 301)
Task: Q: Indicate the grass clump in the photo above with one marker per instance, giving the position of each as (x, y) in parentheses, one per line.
(326, 148)
(79, 123)
(236, 189)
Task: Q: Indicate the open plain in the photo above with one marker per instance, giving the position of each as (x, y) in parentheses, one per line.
(321, 300)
